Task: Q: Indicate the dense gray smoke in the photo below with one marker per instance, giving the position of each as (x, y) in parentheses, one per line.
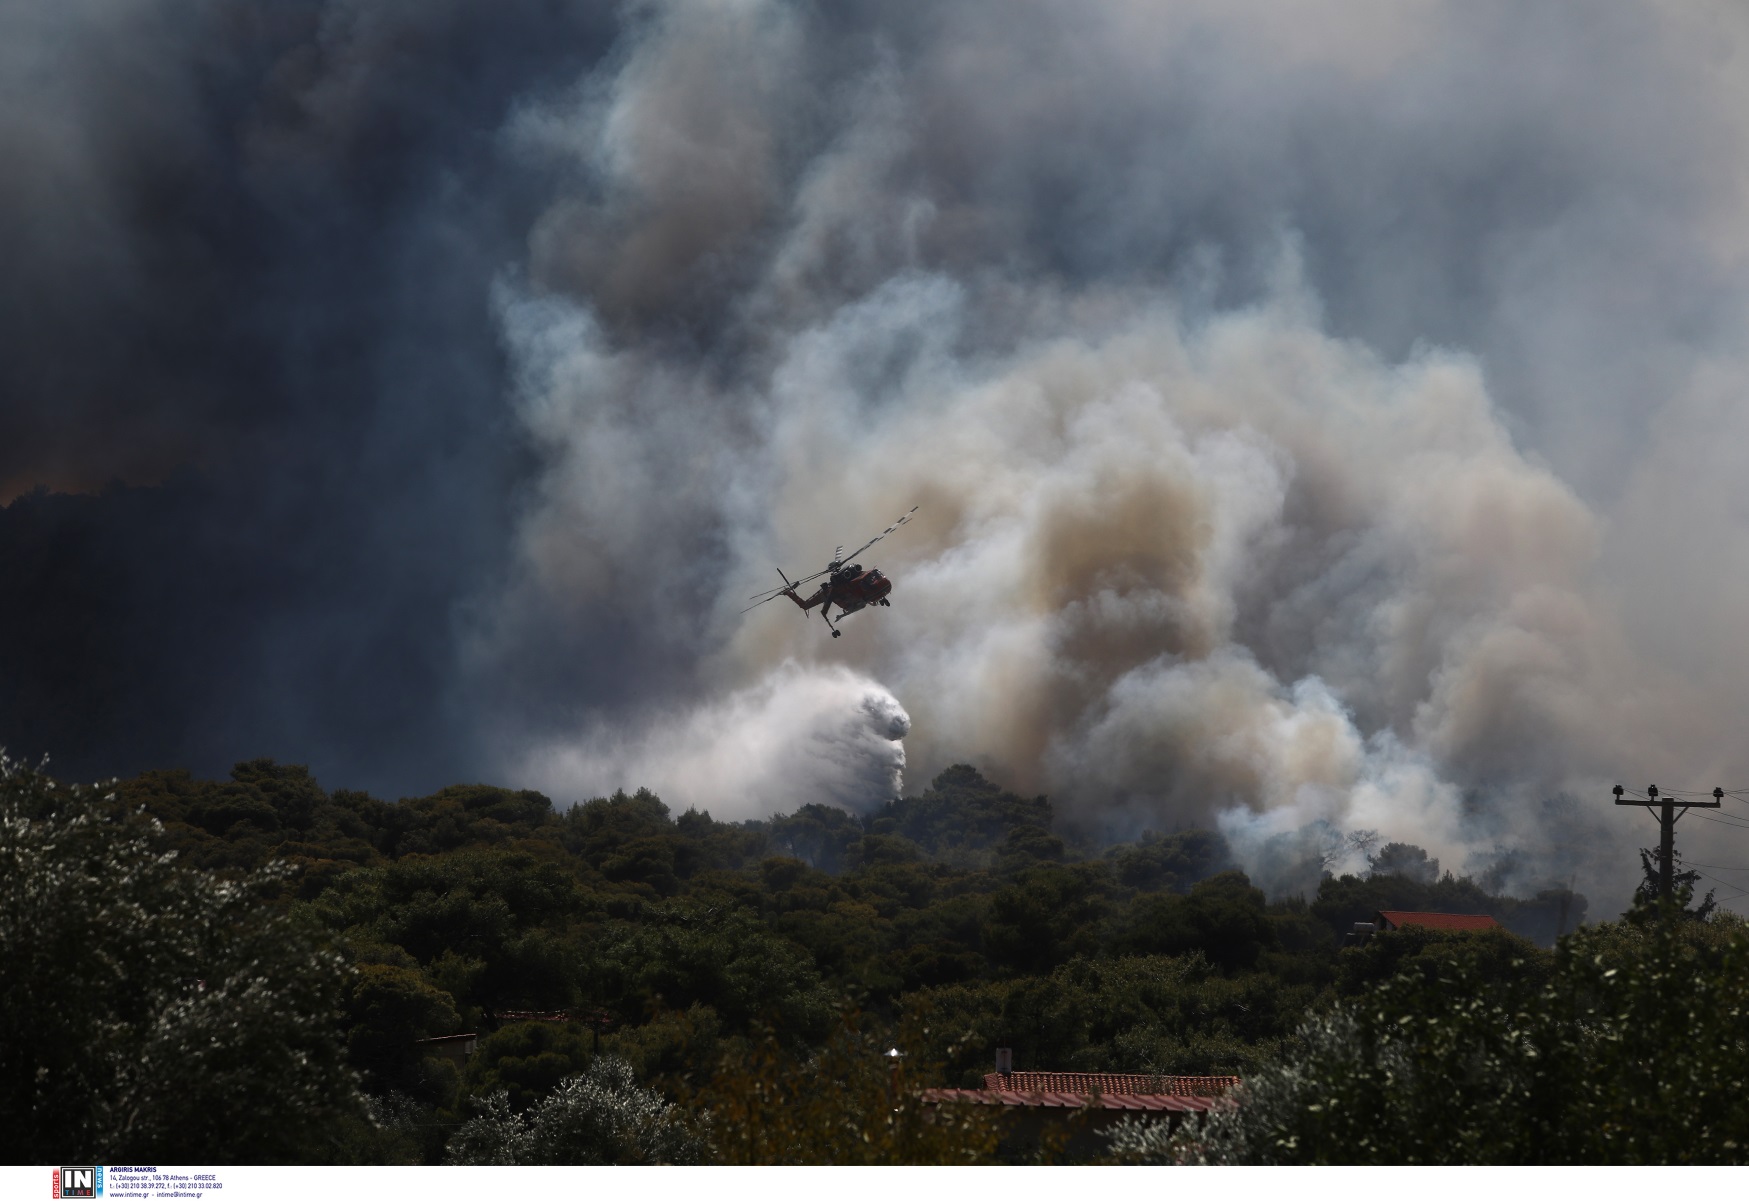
(1325, 422)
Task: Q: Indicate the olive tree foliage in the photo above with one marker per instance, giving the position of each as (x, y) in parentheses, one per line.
(150, 1012)
(1632, 1051)
(598, 1117)
(849, 1103)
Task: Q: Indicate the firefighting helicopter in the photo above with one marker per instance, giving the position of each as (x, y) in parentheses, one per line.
(847, 585)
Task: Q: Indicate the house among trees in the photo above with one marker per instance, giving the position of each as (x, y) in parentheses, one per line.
(1396, 919)
(1099, 1099)
(457, 1048)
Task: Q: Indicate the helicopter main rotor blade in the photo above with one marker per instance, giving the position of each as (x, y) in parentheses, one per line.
(807, 579)
(775, 591)
(757, 603)
(787, 585)
(879, 536)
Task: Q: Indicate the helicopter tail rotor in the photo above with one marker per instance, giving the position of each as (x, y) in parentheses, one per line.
(761, 597)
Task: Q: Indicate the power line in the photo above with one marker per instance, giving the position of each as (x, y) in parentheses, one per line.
(1731, 815)
(1667, 818)
(1741, 892)
(1733, 823)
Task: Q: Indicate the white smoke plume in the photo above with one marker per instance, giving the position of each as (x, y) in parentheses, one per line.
(1118, 532)
(820, 735)
(1187, 554)
(1326, 420)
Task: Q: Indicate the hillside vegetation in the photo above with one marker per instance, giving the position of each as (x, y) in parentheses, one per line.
(712, 963)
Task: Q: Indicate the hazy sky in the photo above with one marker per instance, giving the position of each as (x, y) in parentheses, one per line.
(1326, 418)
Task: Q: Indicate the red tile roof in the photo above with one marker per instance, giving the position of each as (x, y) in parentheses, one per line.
(1156, 1102)
(1396, 919)
(1109, 1084)
(1102, 1090)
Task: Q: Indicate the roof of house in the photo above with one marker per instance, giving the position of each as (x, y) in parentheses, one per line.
(1109, 1084)
(1059, 1100)
(1101, 1090)
(1395, 919)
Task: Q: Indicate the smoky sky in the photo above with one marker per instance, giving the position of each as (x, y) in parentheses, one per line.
(1323, 419)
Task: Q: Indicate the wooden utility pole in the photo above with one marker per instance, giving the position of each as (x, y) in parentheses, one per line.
(1667, 819)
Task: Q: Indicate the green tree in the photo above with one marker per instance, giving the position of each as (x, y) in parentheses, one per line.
(1160, 1014)
(153, 1012)
(1224, 917)
(1632, 1050)
(485, 924)
(528, 1060)
(963, 817)
(1045, 916)
(1161, 863)
(848, 1103)
(598, 1117)
(1493, 958)
(818, 835)
(389, 1009)
(682, 955)
(1648, 903)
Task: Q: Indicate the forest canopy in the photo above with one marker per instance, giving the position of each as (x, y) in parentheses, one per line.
(629, 974)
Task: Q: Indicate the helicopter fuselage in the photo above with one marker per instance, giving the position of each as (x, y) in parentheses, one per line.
(849, 592)
(847, 585)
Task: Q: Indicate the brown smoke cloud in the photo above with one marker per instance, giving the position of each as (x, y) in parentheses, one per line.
(1182, 559)
(1324, 420)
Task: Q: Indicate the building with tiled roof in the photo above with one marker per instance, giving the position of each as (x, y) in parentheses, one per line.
(1109, 1084)
(1163, 1103)
(1092, 1090)
(1094, 1099)
(1396, 919)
